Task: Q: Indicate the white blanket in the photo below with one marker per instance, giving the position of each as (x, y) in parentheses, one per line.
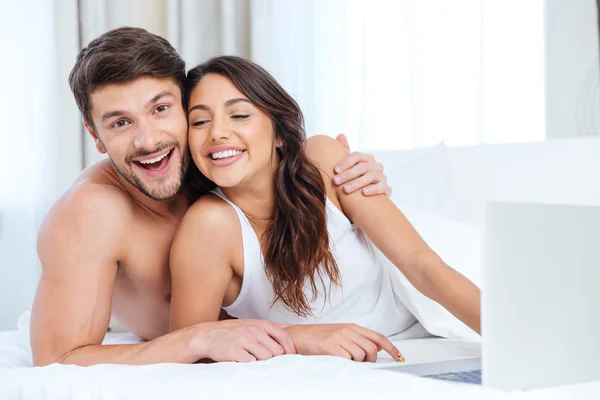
(286, 377)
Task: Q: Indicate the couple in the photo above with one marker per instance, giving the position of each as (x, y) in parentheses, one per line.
(260, 223)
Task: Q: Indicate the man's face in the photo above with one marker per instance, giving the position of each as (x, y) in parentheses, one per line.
(142, 126)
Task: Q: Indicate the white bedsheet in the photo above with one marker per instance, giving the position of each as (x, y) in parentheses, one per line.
(286, 377)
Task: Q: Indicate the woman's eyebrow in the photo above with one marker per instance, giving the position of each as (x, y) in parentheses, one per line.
(228, 103)
(199, 107)
(231, 102)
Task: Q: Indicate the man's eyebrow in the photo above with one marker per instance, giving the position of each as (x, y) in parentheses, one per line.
(117, 113)
(159, 96)
(228, 103)
(111, 114)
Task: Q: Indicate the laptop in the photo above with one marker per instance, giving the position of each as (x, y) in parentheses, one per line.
(540, 300)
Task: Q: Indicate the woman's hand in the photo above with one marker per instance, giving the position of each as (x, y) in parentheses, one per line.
(241, 340)
(360, 171)
(343, 340)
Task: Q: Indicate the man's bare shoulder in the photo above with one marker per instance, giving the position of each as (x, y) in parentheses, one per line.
(94, 212)
(96, 191)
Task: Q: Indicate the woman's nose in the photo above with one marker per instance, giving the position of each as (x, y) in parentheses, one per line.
(219, 130)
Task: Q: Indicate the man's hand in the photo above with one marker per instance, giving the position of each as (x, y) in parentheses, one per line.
(241, 340)
(343, 340)
(360, 171)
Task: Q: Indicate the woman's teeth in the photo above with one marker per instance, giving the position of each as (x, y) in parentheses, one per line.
(225, 154)
(155, 160)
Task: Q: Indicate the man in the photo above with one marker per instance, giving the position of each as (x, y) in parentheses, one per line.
(104, 246)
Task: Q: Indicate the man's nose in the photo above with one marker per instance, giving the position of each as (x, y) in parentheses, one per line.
(146, 136)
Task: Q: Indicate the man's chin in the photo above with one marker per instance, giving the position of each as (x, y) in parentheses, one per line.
(158, 188)
(160, 191)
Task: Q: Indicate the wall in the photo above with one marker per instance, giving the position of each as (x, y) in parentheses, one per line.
(572, 68)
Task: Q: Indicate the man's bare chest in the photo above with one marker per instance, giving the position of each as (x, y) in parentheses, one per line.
(142, 291)
(145, 263)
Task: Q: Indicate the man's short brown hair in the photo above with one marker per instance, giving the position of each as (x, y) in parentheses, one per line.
(122, 55)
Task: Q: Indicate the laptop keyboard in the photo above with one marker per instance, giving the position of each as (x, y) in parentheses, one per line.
(464, 376)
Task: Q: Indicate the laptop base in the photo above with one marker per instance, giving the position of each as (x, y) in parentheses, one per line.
(466, 370)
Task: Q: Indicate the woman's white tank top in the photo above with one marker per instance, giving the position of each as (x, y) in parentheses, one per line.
(365, 295)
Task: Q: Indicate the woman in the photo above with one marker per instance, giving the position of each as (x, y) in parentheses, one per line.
(278, 241)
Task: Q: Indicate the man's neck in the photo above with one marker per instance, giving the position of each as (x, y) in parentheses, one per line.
(172, 208)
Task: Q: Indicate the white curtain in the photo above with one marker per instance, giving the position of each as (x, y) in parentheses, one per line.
(391, 74)
(41, 154)
(408, 73)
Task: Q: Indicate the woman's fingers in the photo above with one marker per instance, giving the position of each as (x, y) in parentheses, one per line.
(369, 348)
(383, 343)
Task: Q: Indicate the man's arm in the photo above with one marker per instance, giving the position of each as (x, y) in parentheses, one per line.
(79, 246)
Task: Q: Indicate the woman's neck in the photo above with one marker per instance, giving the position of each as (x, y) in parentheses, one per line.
(255, 198)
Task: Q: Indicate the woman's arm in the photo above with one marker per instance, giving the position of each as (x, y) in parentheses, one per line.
(208, 240)
(393, 234)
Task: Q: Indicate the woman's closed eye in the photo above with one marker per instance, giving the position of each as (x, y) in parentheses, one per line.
(200, 123)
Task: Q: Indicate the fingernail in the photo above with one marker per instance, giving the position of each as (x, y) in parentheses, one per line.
(400, 358)
(337, 179)
(338, 168)
(348, 188)
(366, 190)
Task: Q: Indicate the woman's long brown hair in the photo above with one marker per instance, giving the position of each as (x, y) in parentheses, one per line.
(296, 240)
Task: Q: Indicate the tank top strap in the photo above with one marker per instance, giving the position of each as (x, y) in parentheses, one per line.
(245, 223)
(253, 258)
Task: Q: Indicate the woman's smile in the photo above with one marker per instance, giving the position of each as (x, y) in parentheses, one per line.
(226, 157)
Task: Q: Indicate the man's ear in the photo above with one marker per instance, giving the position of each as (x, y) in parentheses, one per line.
(99, 146)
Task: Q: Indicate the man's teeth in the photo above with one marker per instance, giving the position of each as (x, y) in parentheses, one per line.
(155, 160)
(225, 154)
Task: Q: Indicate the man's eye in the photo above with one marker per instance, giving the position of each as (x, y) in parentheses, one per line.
(120, 123)
(161, 108)
(239, 116)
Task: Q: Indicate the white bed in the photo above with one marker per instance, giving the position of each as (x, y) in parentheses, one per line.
(286, 377)
(449, 187)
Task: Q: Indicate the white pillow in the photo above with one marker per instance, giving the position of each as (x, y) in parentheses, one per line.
(460, 246)
(425, 182)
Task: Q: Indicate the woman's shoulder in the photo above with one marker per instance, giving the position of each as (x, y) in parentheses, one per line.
(325, 152)
(210, 212)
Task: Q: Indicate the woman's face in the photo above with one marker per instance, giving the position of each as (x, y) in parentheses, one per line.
(231, 140)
